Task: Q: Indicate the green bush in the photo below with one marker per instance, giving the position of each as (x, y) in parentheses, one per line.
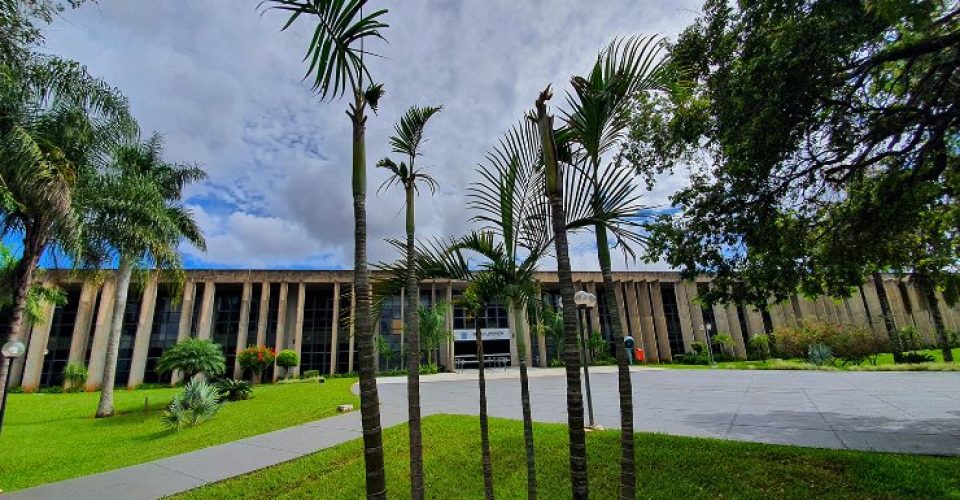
(698, 347)
(233, 389)
(759, 345)
(256, 359)
(74, 377)
(917, 357)
(428, 369)
(692, 358)
(193, 356)
(198, 402)
(310, 374)
(850, 343)
(725, 341)
(820, 354)
(288, 358)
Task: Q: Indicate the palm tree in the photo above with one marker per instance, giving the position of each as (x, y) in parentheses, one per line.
(136, 216)
(336, 56)
(553, 188)
(482, 292)
(407, 141)
(596, 120)
(56, 123)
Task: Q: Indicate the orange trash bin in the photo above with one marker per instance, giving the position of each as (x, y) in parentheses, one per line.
(638, 354)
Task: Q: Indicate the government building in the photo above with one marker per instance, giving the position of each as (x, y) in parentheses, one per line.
(309, 312)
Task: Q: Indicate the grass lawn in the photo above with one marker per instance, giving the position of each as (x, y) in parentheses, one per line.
(667, 467)
(883, 360)
(50, 437)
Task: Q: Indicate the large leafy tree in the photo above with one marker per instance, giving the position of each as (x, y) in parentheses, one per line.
(407, 141)
(57, 123)
(597, 118)
(22, 22)
(136, 218)
(336, 59)
(817, 130)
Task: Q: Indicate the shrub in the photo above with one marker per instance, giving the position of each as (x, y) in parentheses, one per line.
(310, 374)
(74, 377)
(288, 358)
(692, 358)
(257, 359)
(725, 341)
(910, 337)
(917, 357)
(428, 369)
(193, 356)
(850, 343)
(760, 346)
(556, 363)
(198, 402)
(233, 389)
(819, 354)
(698, 347)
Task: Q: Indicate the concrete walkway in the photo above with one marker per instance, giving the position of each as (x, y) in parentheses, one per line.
(902, 412)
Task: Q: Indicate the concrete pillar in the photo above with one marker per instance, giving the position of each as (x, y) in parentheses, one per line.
(594, 314)
(639, 296)
(334, 334)
(754, 320)
(660, 321)
(776, 314)
(16, 368)
(101, 332)
(36, 351)
(81, 328)
(949, 313)
(896, 304)
(186, 311)
(858, 314)
(875, 315)
(696, 313)
(622, 303)
(298, 326)
(206, 310)
(264, 315)
(141, 342)
(686, 320)
(733, 319)
(281, 325)
(243, 327)
(353, 317)
(808, 308)
(840, 308)
(722, 323)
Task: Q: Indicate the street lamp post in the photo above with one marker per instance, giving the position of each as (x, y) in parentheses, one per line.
(709, 328)
(586, 300)
(11, 350)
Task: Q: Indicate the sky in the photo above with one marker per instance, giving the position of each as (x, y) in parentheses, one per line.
(225, 88)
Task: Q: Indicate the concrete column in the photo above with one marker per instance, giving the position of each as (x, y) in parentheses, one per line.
(622, 303)
(722, 323)
(776, 314)
(298, 326)
(334, 335)
(639, 296)
(141, 342)
(594, 314)
(81, 328)
(790, 311)
(896, 304)
(840, 308)
(949, 313)
(660, 320)
(206, 310)
(736, 332)
(36, 351)
(696, 312)
(98, 349)
(243, 327)
(16, 368)
(686, 319)
(186, 311)
(873, 306)
(808, 308)
(858, 314)
(281, 325)
(264, 315)
(754, 320)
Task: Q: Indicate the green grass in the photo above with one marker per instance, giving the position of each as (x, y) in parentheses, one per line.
(884, 363)
(667, 467)
(50, 437)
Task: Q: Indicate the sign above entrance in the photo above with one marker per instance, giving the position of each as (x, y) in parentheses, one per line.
(486, 333)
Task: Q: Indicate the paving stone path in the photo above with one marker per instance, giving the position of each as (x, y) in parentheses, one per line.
(889, 411)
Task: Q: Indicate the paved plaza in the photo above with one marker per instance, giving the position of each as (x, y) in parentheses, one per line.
(880, 411)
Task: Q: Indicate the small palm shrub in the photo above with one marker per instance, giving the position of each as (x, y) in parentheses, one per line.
(725, 341)
(232, 389)
(918, 357)
(198, 403)
(819, 354)
(310, 374)
(288, 359)
(257, 359)
(74, 377)
(193, 356)
(760, 346)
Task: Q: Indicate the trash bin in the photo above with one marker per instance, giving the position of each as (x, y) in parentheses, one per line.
(639, 355)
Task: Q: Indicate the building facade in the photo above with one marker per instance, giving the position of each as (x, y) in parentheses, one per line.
(310, 312)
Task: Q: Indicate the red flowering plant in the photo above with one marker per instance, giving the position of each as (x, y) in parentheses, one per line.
(257, 358)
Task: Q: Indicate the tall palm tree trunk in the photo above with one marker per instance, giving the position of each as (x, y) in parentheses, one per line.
(376, 479)
(930, 296)
(105, 408)
(21, 281)
(484, 426)
(412, 342)
(518, 318)
(577, 437)
(628, 480)
(896, 343)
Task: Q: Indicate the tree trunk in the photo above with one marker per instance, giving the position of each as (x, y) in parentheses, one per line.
(412, 341)
(484, 427)
(628, 480)
(376, 479)
(105, 408)
(930, 296)
(577, 437)
(21, 281)
(896, 343)
(518, 318)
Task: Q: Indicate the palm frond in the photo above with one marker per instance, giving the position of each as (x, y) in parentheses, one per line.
(409, 130)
